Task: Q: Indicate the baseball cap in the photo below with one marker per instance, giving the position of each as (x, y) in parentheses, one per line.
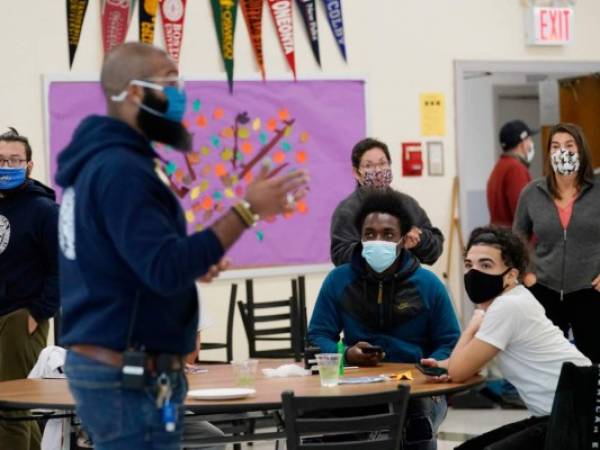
(513, 133)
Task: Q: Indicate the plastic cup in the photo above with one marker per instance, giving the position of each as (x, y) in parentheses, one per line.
(244, 372)
(329, 368)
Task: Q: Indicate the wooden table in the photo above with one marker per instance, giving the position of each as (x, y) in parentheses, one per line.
(54, 394)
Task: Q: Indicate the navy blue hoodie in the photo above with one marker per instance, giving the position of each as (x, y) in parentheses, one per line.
(28, 251)
(123, 237)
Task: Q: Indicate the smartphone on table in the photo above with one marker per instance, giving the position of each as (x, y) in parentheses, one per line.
(431, 371)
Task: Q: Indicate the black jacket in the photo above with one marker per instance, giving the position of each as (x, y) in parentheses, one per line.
(28, 251)
(344, 235)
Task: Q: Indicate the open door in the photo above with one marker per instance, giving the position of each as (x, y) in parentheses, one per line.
(580, 104)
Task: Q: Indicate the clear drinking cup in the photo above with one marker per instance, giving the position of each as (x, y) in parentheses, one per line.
(329, 368)
(244, 372)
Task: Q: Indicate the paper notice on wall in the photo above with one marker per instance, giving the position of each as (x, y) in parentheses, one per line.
(433, 114)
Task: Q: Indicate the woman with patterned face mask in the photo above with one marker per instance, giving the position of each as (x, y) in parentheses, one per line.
(560, 215)
(371, 167)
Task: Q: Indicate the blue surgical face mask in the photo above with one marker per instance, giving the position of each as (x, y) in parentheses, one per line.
(176, 100)
(380, 255)
(12, 177)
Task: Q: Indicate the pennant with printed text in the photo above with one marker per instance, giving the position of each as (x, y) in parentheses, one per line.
(173, 14)
(281, 11)
(115, 21)
(224, 15)
(252, 11)
(75, 14)
(147, 20)
(308, 9)
(336, 23)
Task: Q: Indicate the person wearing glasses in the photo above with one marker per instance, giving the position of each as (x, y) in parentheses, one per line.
(29, 280)
(371, 168)
(128, 266)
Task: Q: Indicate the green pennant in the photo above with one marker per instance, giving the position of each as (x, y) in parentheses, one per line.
(224, 15)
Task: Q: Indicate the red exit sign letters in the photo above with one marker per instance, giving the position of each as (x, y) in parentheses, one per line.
(550, 26)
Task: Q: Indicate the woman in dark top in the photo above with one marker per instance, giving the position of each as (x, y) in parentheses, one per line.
(560, 215)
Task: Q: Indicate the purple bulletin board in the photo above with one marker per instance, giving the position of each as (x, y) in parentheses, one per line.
(304, 124)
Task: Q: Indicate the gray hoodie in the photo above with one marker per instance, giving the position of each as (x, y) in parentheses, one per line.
(566, 260)
(344, 236)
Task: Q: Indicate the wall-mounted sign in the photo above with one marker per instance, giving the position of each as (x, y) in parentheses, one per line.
(549, 25)
(412, 159)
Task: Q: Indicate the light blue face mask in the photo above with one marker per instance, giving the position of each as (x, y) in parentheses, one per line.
(380, 255)
(12, 177)
(176, 100)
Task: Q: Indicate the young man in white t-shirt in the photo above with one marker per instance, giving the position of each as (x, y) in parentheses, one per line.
(511, 325)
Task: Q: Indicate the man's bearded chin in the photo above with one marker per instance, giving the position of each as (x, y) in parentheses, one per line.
(159, 129)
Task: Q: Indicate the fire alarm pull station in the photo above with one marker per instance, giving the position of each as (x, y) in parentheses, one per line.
(412, 159)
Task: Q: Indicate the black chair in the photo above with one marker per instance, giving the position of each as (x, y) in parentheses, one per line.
(302, 420)
(228, 344)
(290, 311)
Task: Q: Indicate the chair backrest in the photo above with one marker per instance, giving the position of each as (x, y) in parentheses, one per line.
(258, 318)
(575, 418)
(228, 344)
(302, 419)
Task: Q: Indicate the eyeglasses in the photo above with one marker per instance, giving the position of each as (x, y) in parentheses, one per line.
(11, 162)
(369, 167)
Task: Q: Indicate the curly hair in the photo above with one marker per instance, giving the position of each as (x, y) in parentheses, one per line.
(386, 202)
(512, 249)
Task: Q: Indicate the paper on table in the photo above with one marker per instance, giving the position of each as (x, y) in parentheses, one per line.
(406, 375)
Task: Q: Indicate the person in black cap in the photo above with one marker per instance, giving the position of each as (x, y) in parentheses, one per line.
(511, 172)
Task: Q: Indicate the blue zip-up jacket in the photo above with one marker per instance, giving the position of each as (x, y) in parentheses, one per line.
(28, 251)
(122, 236)
(415, 318)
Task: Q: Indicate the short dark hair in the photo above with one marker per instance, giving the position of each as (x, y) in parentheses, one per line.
(14, 136)
(585, 173)
(363, 146)
(512, 248)
(386, 202)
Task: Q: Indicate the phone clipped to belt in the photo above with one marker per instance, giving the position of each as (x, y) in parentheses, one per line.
(133, 369)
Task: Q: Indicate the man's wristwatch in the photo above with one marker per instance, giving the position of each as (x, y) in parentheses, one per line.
(244, 211)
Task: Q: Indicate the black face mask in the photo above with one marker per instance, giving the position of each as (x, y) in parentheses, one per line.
(158, 128)
(482, 287)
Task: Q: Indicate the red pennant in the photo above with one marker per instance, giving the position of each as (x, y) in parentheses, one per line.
(115, 21)
(253, 12)
(173, 13)
(281, 11)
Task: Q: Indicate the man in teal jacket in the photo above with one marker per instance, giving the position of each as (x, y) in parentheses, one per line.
(385, 298)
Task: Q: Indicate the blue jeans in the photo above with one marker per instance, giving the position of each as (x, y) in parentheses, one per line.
(423, 419)
(117, 418)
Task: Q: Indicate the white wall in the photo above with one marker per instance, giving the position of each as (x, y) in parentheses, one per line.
(401, 47)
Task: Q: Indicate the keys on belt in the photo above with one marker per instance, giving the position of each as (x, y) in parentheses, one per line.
(163, 401)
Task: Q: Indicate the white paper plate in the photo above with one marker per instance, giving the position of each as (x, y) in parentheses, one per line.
(220, 393)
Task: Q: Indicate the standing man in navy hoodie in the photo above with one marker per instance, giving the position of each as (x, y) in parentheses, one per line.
(28, 275)
(130, 307)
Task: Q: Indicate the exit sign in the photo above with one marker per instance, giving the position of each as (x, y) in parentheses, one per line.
(550, 26)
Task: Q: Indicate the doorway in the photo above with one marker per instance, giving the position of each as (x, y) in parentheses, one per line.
(490, 93)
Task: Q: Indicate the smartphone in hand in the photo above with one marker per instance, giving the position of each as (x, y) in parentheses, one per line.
(431, 371)
(372, 349)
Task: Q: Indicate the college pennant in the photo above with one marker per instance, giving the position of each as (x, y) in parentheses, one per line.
(115, 21)
(147, 20)
(309, 17)
(252, 11)
(75, 14)
(281, 11)
(224, 15)
(336, 23)
(173, 13)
